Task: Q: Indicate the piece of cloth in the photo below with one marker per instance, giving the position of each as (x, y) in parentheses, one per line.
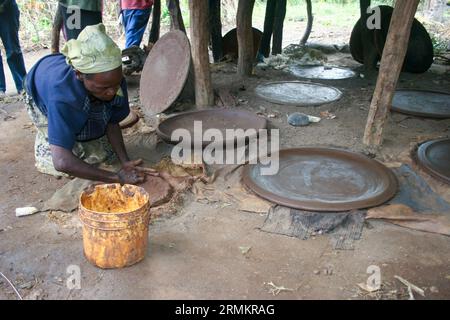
(93, 152)
(9, 34)
(73, 115)
(135, 23)
(93, 51)
(416, 206)
(342, 227)
(136, 4)
(88, 5)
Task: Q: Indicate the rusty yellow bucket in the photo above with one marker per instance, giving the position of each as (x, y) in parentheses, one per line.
(115, 222)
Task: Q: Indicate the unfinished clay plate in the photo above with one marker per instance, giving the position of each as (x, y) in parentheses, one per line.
(221, 119)
(321, 72)
(322, 179)
(297, 93)
(165, 72)
(430, 104)
(434, 157)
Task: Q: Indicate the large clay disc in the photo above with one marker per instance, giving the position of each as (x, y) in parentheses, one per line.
(165, 72)
(322, 179)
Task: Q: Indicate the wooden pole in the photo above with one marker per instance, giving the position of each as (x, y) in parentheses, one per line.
(176, 18)
(156, 22)
(216, 29)
(391, 65)
(280, 14)
(56, 30)
(245, 37)
(309, 24)
(204, 96)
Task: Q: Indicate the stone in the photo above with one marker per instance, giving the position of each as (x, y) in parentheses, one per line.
(298, 119)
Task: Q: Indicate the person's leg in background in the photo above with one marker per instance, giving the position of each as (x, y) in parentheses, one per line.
(9, 33)
(2, 77)
(135, 23)
(87, 18)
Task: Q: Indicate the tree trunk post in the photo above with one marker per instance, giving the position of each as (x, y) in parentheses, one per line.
(309, 25)
(156, 22)
(56, 30)
(176, 18)
(391, 64)
(245, 37)
(204, 96)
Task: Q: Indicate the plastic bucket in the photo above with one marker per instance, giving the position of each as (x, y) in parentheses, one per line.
(115, 224)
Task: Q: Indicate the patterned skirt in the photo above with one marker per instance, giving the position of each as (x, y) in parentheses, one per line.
(93, 152)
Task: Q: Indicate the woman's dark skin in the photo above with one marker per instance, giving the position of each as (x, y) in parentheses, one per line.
(102, 86)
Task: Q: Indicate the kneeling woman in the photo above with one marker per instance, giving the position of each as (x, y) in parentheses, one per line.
(76, 100)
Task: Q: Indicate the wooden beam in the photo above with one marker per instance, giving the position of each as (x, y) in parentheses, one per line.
(204, 96)
(245, 37)
(156, 22)
(391, 65)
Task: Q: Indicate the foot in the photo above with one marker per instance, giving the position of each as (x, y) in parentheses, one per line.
(2, 94)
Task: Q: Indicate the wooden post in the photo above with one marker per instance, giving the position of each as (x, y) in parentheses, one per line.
(216, 29)
(204, 96)
(245, 37)
(56, 30)
(176, 18)
(269, 19)
(156, 22)
(309, 24)
(391, 64)
(280, 14)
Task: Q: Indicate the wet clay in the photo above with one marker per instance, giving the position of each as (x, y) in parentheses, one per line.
(159, 190)
(113, 199)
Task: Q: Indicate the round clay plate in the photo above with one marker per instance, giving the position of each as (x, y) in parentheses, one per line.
(298, 93)
(321, 72)
(221, 119)
(129, 121)
(165, 72)
(429, 104)
(322, 179)
(434, 157)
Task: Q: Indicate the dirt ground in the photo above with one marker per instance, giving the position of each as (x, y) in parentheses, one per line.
(195, 254)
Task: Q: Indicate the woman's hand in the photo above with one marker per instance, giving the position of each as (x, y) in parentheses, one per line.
(132, 173)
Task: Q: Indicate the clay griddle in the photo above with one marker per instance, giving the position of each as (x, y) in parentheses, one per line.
(165, 72)
(230, 43)
(129, 121)
(322, 179)
(211, 119)
(159, 190)
(321, 72)
(431, 104)
(297, 93)
(434, 157)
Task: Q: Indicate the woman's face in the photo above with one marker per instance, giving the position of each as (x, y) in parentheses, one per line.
(103, 86)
